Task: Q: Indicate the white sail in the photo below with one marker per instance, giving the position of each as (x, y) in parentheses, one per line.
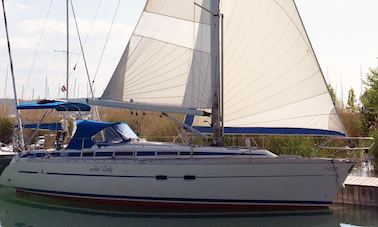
(271, 76)
(167, 60)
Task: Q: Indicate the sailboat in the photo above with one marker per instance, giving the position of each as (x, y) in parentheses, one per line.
(232, 67)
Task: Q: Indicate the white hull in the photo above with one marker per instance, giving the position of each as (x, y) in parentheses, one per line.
(203, 181)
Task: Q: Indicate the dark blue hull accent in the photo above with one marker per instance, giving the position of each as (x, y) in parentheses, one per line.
(177, 200)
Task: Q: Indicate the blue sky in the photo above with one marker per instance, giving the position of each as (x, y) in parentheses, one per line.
(343, 34)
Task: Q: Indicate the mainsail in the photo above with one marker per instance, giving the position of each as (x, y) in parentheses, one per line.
(272, 78)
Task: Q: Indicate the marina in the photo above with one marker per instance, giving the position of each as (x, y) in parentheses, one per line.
(260, 137)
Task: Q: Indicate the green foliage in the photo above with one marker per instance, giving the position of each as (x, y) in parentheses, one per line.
(6, 129)
(332, 93)
(370, 102)
(374, 149)
(351, 103)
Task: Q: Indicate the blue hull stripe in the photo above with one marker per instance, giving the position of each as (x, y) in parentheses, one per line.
(272, 131)
(170, 200)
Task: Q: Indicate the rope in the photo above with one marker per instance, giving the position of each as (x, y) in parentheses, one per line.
(39, 43)
(89, 31)
(106, 41)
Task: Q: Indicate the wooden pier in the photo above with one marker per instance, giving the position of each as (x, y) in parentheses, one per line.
(362, 191)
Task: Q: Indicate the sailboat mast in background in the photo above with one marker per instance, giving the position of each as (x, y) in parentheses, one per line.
(68, 49)
(18, 118)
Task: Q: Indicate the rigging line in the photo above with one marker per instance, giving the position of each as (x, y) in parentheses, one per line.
(150, 80)
(279, 106)
(106, 42)
(269, 69)
(82, 52)
(288, 118)
(132, 79)
(89, 31)
(39, 42)
(275, 94)
(155, 90)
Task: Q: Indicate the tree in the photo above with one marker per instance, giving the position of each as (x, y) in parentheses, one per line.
(370, 102)
(332, 93)
(351, 104)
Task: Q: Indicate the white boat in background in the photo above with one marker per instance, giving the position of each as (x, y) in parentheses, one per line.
(6, 155)
(270, 83)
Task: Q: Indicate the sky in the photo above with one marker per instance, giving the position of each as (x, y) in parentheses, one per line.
(343, 33)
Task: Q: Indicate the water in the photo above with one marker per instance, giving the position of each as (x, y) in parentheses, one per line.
(24, 211)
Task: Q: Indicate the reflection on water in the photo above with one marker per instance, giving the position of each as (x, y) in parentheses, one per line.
(21, 211)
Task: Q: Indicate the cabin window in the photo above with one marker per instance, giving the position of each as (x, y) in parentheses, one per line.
(88, 154)
(161, 177)
(108, 136)
(74, 154)
(124, 153)
(189, 177)
(125, 131)
(103, 154)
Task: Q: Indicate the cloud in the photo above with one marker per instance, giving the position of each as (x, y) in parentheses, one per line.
(13, 5)
(24, 41)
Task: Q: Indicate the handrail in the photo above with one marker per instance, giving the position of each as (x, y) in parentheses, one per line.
(351, 147)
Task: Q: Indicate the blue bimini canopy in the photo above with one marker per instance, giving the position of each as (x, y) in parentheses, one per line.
(52, 104)
(47, 126)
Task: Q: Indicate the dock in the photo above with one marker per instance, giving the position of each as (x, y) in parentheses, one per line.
(362, 191)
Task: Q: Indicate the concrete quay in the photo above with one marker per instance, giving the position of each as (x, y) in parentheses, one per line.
(362, 191)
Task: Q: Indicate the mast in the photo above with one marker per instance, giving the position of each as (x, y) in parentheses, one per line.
(18, 118)
(216, 112)
(68, 49)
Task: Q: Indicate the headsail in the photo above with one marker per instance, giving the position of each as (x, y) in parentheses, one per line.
(167, 60)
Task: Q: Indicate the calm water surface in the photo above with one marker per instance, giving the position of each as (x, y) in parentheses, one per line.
(16, 210)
